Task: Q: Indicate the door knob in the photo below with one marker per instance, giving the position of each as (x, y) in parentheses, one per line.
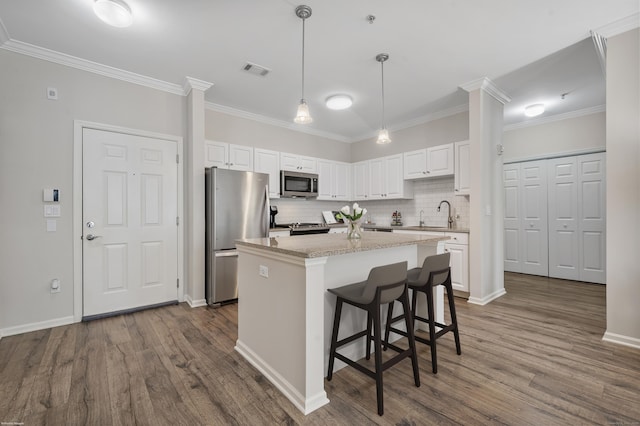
(92, 237)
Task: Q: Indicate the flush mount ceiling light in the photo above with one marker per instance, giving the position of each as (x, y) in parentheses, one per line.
(303, 117)
(113, 12)
(383, 134)
(534, 110)
(339, 102)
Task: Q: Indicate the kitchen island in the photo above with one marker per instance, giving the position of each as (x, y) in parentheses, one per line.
(285, 313)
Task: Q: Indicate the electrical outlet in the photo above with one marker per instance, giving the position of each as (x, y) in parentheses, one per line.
(263, 271)
(55, 285)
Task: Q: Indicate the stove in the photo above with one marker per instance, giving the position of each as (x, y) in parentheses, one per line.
(298, 228)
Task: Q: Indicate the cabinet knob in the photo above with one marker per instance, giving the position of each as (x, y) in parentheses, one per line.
(424, 173)
(565, 225)
(456, 190)
(531, 225)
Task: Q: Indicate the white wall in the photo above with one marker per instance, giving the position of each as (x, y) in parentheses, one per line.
(453, 128)
(557, 137)
(36, 152)
(623, 188)
(228, 128)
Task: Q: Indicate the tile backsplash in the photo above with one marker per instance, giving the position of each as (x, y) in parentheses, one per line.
(427, 196)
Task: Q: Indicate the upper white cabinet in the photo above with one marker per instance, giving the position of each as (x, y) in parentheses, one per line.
(360, 179)
(430, 162)
(387, 179)
(228, 156)
(462, 158)
(298, 163)
(334, 180)
(267, 161)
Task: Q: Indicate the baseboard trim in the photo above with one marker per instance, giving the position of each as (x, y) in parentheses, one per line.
(195, 303)
(306, 406)
(487, 299)
(619, 339)
(35, 326)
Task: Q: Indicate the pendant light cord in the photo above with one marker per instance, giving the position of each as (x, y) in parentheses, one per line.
(382, 68)
(303, 58)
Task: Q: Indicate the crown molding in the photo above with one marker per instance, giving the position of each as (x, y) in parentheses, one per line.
(94, 67)
(273, 122)
(4, 34)
(488, 86)
(557, 117)
(191, 83)
(620, 26)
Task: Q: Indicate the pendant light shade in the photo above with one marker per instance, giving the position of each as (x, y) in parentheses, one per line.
(113, 12)
(303, 116)
(383, 134)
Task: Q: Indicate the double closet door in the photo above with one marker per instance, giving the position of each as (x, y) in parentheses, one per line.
(555, 217)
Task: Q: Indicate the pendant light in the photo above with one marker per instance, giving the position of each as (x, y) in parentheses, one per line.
(303, 117)
(383, 134)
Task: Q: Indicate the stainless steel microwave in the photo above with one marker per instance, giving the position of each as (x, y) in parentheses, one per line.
(297, 184)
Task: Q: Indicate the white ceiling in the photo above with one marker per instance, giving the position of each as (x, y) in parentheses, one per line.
(533, 50)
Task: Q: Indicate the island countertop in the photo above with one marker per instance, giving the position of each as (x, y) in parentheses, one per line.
(322, 245)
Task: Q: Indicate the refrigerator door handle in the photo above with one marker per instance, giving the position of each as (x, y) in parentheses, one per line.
(268, 209)
(226, 253)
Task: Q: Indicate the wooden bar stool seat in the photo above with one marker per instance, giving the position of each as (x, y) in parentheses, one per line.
(435, 271)
(384, 285)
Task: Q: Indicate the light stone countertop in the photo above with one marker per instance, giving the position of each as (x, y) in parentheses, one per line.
(321, 245)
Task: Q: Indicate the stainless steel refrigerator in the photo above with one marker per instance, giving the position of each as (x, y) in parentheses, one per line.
(236, 207)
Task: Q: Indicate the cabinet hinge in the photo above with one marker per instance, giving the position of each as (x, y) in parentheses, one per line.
(177, 220)
(177, 158)
(177, 282)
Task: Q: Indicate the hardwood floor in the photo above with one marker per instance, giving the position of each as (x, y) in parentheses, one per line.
(534, 356)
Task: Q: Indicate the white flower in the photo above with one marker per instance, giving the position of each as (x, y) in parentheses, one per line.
(364, 211)
(345, 210)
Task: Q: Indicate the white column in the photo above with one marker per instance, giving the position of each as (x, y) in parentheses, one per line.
(623, 181)
(194, 194)
(486, 204)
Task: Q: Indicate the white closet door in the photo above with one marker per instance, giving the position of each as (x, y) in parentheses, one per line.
(563, 219)
(534, 238)
(591, 206)
(511, 178)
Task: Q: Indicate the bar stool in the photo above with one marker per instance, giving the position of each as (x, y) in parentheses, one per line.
(435, 271)
(384, 285)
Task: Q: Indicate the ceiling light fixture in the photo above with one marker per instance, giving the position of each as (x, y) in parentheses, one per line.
(534, 110)
(113, 12)
(339, 102)
(303, 117)
(383, 134)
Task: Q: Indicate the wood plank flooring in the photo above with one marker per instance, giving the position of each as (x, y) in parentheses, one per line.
(533, 357)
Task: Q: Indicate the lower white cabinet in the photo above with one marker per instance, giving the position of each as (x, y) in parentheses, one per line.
(279, 233)
(338, 230)
(458, 246)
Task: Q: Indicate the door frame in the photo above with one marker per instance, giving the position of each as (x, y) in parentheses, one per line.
(78, 127)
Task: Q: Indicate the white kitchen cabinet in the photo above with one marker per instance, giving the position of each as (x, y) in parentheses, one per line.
(334, 180)
(387, 179)
(338, 230)
(458, 246)
(298, 163)
(462, 160)
(228, 156)
(267, 161)
(361, 181)
(430, 162)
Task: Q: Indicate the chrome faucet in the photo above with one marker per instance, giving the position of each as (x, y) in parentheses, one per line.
(421, 221)
(449, 219)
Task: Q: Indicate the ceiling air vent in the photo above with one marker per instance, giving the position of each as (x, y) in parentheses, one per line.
(255, 69)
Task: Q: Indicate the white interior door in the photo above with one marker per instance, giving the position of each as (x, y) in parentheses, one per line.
(563, 219)
(534, 237)
(511, 178)
(591, 207)
(129, 197)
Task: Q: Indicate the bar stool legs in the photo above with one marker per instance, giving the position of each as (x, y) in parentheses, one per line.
(427, 290)
(373, 332)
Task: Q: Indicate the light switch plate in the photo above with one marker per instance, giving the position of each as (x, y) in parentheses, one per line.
(51, 210)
